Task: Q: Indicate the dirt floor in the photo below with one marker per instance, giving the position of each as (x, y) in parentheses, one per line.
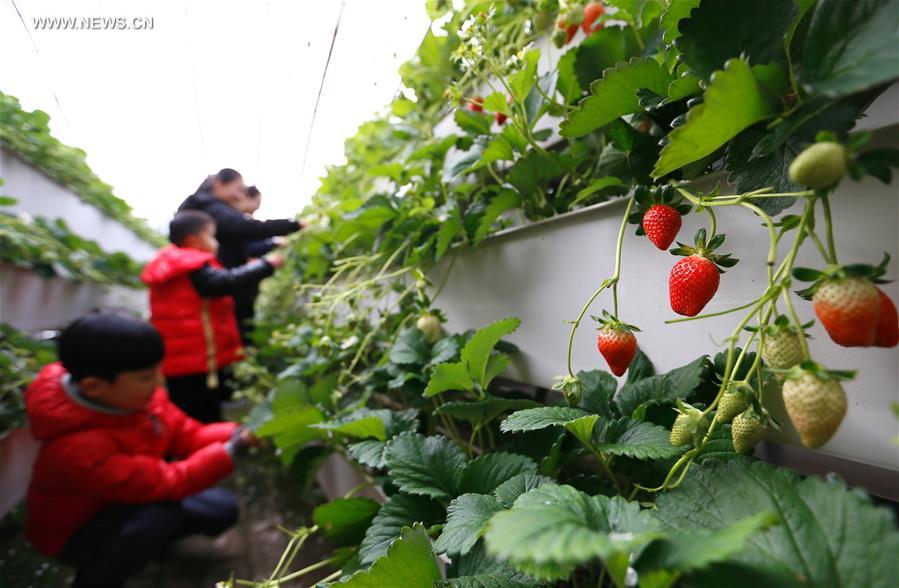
(270, 496)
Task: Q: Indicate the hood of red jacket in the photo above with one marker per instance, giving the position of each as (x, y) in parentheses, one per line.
(53, 413)
(173, 262)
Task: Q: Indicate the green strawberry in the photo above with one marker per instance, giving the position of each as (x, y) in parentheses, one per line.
(815, 402)
(820, 165)
(734, 401)
(781, 348)
(689, 426)
(747, 430)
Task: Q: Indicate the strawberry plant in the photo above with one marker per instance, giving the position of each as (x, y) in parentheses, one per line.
(639, 481)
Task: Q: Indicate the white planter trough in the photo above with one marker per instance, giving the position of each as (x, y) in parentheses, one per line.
(544, 272)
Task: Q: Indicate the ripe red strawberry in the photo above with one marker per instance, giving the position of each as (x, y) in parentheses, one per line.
(501, 118)
(694, 279)
(661, 224)
(887, 332)
(592, 12)
(849, 309)
(476, 104)
(616, 342)
(570, 30)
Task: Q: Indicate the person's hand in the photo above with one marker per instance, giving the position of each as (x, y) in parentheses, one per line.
(279, 241)
(276, 260)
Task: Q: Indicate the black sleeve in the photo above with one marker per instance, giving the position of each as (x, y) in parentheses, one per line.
(260, 247)
(211, 282)
(230, 224)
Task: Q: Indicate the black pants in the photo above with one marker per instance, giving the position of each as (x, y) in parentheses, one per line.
(192, 394)
(123, 538)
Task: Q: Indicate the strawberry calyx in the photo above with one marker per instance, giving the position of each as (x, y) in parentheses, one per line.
(692, 418)
(779, 325)
(608, 321)
(646, 197)
(571, 387)
(817, 370)
(705, 249)
(874, 273)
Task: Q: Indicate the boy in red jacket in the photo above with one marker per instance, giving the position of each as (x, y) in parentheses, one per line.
(192, 307)
(122, 472)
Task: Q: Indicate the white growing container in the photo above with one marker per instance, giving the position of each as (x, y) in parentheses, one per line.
(545, 271)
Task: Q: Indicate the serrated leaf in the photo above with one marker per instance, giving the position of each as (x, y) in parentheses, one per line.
(521, 82)
(476, 123)
(489, 581)
(466, 517)
(399, 511)
(449, 376)
(599, 388)
(446, 233)
(496, 102)
(411, 348)
(615, 95)
(511, 489)
(529, 173)
(594, 187)
(641, 367)
(476, 569)
(291, 428)
(482, 411)
(733, 101)
(485, 473)
(826, 532)
(672, 16)
(533, 419)
(366, 426)
(582, 428)
(754, 33)
(563, 527)
(603, 49)
(476, 353)
(567, 84)
(345, 520)
(409, 562)
(505, 200)
(662, 389)
(850, 47)
(426, 466)
(636, 439)
(696, 549)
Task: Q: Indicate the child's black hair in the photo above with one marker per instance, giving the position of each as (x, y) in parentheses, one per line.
(187, 223)
(226, 175)
(105, 343)
(253, 192)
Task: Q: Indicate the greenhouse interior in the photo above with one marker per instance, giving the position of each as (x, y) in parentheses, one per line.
(449, 293)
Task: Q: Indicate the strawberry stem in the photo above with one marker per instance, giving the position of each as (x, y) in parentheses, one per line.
(825, 203)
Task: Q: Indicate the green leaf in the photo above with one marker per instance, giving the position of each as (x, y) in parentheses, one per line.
(371, 452)
(482, 411)
(449, 376)
(567, 84)
(561, 527)
(476, 353)
(511, 489)
(476, 123)
(641, 367)
(632, 438)
(696, 549)
(676, 12)
(582, 428)
(411, 348)
(602, 50)
(7, 201)
(476, 569)
(399, 511)
(594, 187)
(485, 473)
(522, 81)
(753, 32)
(540, 418)
(489, 581)
(616, 95)
(599, 389)
(662, 389)
(530, 172)
(409, 562)
(496, 102)
(733, 101)
(466, 518)
(345, 520)
(427, 466)
(367, 426)
(850, 47)
(446, 233)
(505, 200)
(290, 429)
(826, 533)
(499, 149)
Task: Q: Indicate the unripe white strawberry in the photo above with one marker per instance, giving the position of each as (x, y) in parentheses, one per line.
(430, 326)
(816, 406)
(820, 165)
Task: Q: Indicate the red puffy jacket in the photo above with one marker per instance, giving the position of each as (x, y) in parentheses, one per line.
(90, 458)
(200, 334)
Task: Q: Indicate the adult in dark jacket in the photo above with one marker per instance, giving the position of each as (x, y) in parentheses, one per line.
(218, 196)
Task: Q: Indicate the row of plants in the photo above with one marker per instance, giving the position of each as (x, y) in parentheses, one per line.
(645, 480)
(28, 135)
(50, 248)
(21, 358)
